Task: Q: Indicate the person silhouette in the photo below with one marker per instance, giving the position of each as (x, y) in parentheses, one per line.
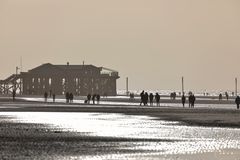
(142, 98)
(93, 98)
(190, 100)
(98, 98)
(183, 100)
(145, 99)
(67, 97)
(237, 101)
(71, 97)
(220, 97)
(193, 100)
(14, 94)
(227, 96)
(157, 98)
(45, 96)
(89, 98)
(151, 99)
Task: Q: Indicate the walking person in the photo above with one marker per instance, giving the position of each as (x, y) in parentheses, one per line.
(67, 97)
(193, 101)
(183, 100)
(14, 94)
(71, 97)
(93, 98)
(151, 99)
(220, 97)
(190, 100)
(53, 96)
(237, 101)
(227, 96)
(145, 99)
(89, 98)
(45, 96)
(142, 98)
(157, 98)
(98, 98)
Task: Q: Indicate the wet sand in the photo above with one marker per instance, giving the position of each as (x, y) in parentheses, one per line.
(38, 141)
(206, 116)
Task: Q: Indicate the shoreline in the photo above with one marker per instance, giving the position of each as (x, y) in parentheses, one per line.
(206, 117)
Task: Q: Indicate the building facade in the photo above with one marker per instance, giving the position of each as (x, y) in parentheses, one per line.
(76, 79)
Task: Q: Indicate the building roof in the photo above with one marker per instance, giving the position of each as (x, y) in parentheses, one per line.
(64, 67)
(76, 67)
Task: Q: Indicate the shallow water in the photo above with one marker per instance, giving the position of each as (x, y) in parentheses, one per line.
(137, 137)
(220, 106)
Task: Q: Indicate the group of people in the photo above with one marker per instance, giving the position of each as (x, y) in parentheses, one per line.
(93, 97)
(145, 98)
(191, 100)
(220, 97)
(69, 97)
(51, 95)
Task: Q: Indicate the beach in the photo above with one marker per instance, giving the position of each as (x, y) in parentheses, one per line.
(204, 116)
(38, 130)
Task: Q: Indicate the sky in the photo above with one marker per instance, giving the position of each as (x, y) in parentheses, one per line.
(152, 42)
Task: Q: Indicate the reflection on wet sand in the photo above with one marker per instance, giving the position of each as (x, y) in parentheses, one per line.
(110, 136)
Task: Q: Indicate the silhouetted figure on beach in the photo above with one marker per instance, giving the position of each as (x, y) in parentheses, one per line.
(145, 99)
(53, 96)
(193, 101)
(190, 100)
(14, 94)
(183, 100)
(173, 95)
(142, 98)
(131, 96)
(98, 98)
(45, 96)
(67, 96)
(227, 96)
(71, 97)
(220, 97)
(237, 101)
(89, 98)
(157, 98)
(151, 99)
(93, 98)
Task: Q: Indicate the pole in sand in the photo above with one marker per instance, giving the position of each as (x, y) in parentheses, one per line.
(127, 86)
(182, 85)
(236, 83)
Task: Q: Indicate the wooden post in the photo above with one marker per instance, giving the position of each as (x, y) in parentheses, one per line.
(127, 86)
(182, 85)
(235, 86)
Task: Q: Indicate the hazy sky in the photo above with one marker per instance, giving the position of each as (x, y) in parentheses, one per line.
(153, 42)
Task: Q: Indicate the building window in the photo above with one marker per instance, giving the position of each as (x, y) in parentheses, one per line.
(50, 81)
(63, 81)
